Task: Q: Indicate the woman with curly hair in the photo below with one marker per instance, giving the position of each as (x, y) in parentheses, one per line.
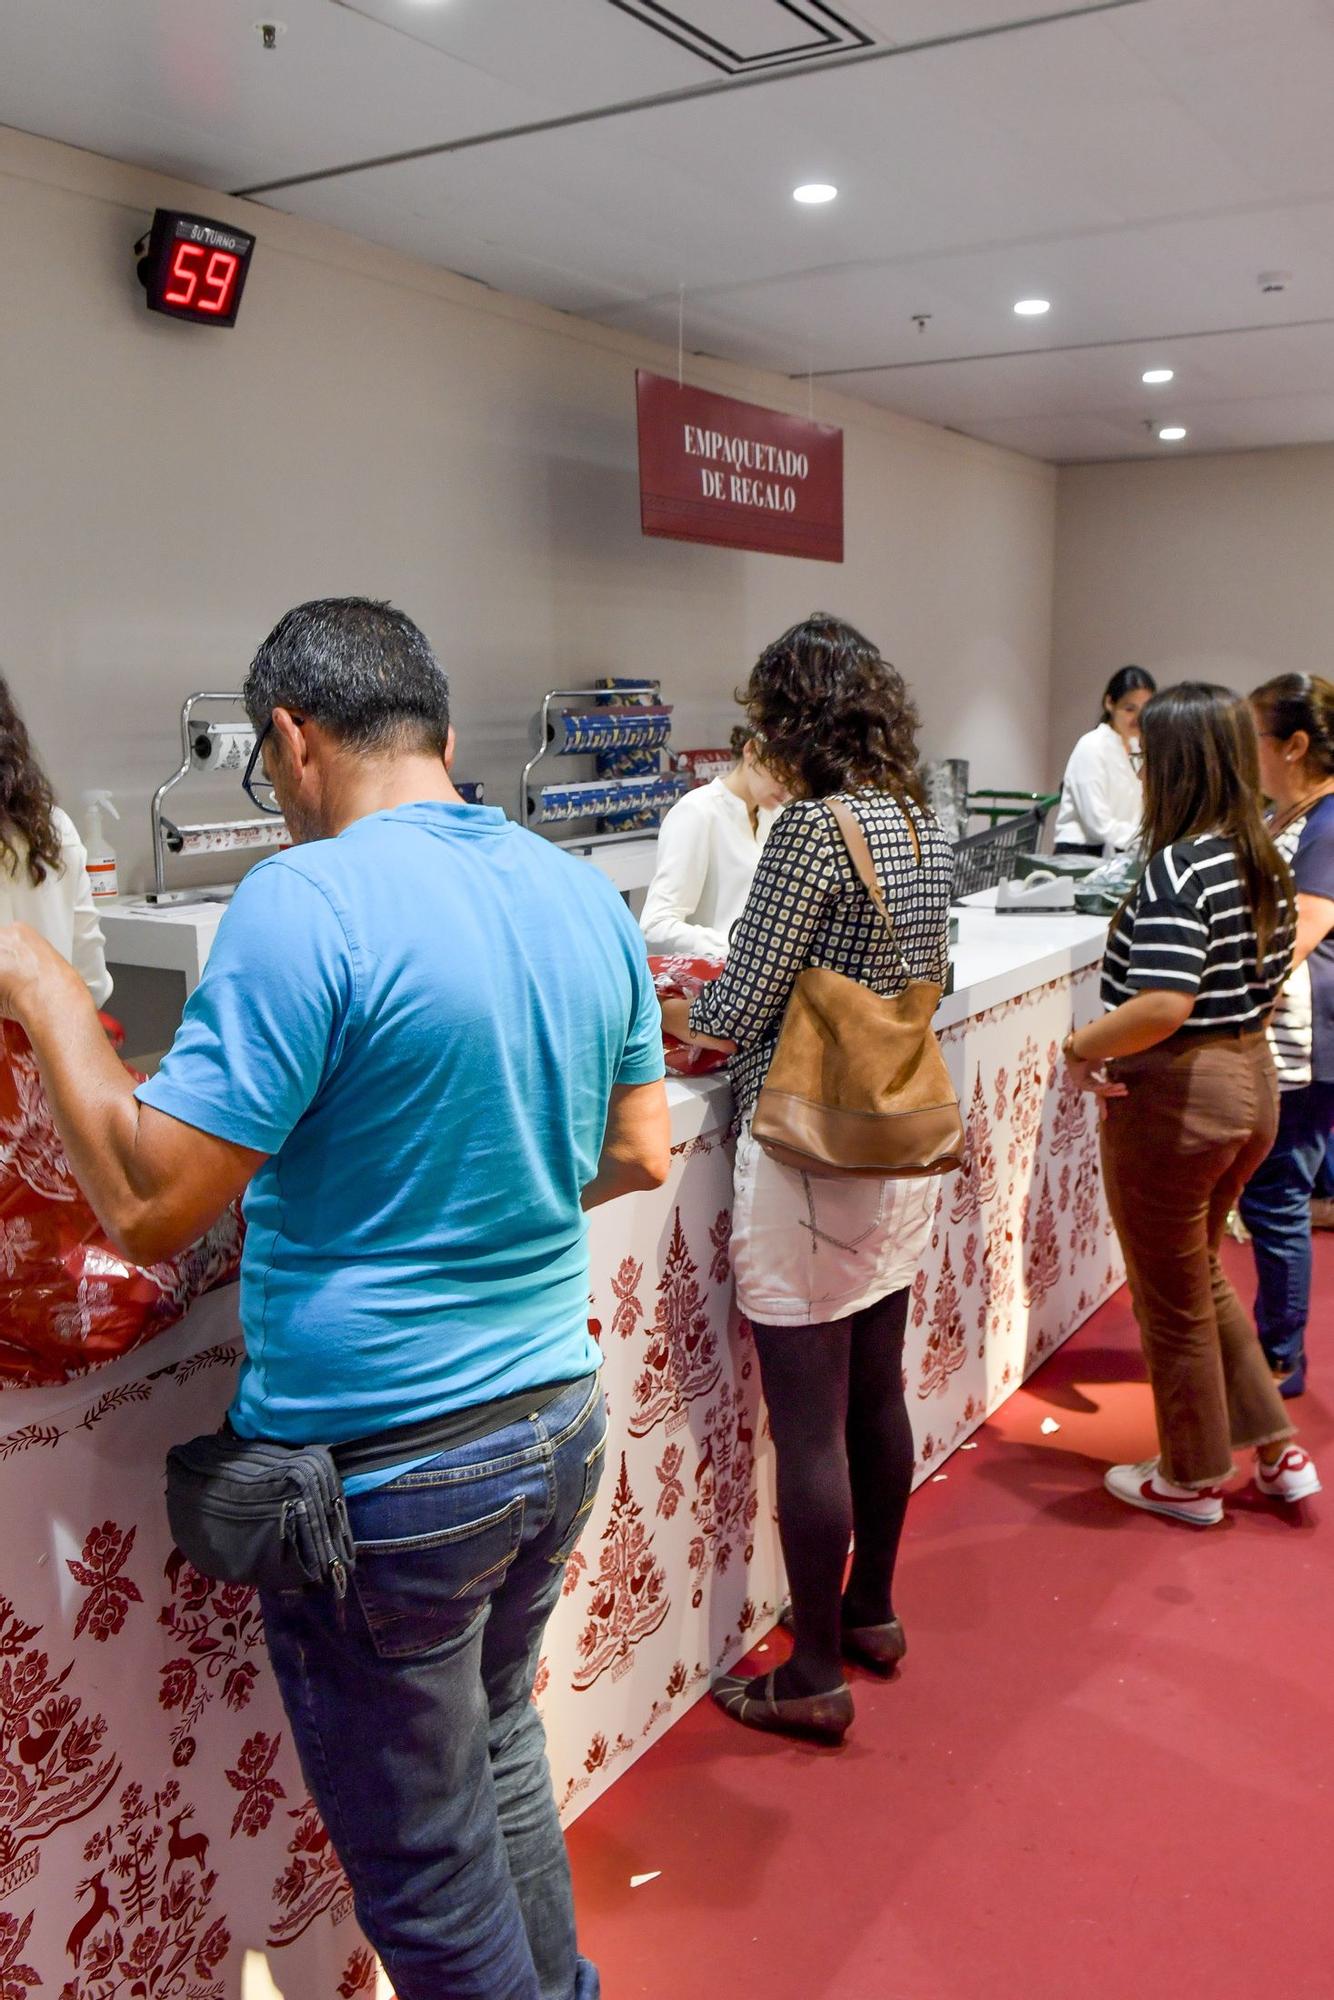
(823, 1266)
(43, 866)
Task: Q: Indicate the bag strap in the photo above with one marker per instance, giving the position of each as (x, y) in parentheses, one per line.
(859, 853)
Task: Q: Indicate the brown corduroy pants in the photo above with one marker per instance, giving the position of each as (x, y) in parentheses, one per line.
(1199, 1117)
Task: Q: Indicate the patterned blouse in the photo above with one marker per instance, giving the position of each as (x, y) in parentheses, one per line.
(807, 907)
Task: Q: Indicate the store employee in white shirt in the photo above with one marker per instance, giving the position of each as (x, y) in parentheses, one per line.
(708, 846)
(43, 876)
(1102, 799)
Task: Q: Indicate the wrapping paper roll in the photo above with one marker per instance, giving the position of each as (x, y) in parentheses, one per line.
(630, 764)
(605, 799)
(645, 729)
(224, 836)
(222, 746)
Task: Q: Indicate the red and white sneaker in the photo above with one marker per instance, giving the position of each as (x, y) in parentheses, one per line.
(1144, 1486)
(1293, 1477)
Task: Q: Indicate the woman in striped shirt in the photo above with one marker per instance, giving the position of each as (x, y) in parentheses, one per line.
(1195, 961)
(1294, 718)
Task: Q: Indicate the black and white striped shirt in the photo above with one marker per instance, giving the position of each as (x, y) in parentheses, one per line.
(1189, 929)
(807, 907)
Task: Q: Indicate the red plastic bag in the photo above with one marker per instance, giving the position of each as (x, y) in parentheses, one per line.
(683, 979)
(68, 1300)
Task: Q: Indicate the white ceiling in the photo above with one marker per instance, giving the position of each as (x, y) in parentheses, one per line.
(1138, 163)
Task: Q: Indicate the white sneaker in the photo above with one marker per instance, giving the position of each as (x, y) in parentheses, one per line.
(1144, 1486)
(1294, 1477)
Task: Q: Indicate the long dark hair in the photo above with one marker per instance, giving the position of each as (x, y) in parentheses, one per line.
(27, 828)
(830, 715)
(1301, 701)
(1123, 682)
(1202, 776)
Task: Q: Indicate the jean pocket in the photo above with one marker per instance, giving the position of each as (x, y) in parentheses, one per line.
(419, 1591)
(592, 1479)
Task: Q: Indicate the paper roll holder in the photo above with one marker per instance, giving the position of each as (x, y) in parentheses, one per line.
(171, 837)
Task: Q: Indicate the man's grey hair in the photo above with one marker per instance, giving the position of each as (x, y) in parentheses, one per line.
(360, 668)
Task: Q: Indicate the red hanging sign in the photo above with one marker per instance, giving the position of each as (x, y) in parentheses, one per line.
(712, 469)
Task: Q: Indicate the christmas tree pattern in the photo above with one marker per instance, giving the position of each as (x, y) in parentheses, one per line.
(947, 1339)
(681, 1360)
(1042, 1247)
(629, 1597)
(976, 1180)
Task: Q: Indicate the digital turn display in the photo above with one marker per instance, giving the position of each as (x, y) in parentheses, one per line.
(195, 269)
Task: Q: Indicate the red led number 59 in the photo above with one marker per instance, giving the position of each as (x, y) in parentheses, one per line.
(201, 279)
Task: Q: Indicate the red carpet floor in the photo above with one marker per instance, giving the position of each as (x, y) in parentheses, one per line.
(1106, 1770)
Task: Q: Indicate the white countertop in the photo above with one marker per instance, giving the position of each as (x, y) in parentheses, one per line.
(996, 958)
(167, 937)
(999, 957)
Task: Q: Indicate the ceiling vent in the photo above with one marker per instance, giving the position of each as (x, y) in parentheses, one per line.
(744, 36)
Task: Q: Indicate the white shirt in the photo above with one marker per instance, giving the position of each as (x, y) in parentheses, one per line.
(61, 908)
(706, 861)
(1102, 799)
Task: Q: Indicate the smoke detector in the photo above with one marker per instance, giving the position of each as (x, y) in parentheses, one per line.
(1274, 281)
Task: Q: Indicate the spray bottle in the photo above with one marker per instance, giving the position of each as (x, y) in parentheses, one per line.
(101, 854)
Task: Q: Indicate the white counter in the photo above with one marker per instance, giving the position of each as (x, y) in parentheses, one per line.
(171, 937)
(998, 957)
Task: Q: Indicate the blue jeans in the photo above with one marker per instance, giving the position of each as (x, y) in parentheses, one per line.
(411, 1707)
(1276, 1208)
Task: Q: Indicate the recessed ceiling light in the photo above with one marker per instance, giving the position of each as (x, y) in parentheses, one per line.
(1171, 433)
(1032, 308)
(1155, 376)
(814, 192)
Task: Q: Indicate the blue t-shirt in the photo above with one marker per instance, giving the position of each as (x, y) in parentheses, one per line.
(420, 1022)
(1313, 872)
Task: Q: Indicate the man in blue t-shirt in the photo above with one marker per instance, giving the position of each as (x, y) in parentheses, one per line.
(424, 1043)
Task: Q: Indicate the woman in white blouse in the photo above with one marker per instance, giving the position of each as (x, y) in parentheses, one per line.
(708, 846)
(1102, 798)
(43, 873)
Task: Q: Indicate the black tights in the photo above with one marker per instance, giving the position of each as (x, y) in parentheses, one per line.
(845, 1462)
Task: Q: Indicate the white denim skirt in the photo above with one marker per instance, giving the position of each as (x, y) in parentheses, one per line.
(805, 1249)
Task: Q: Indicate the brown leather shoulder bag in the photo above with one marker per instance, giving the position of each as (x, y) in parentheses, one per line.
(858, 1085)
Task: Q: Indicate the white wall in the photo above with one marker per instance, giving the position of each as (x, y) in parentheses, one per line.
(1213, 568)
(373, 425)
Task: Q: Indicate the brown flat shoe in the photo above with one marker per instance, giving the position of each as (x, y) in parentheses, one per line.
(878, 1648)
(824, 1718)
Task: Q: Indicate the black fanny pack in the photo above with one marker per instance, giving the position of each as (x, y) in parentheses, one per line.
(248, 1510)
(270, 1515)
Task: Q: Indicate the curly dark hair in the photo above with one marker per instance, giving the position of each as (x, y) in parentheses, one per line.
(830, 715)
(27, 829)
(740, 737)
